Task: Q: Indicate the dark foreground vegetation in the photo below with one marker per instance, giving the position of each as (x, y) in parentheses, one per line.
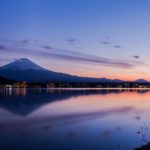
(4, 82)
(145, 147)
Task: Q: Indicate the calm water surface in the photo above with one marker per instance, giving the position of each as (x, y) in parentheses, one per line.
(74, 119)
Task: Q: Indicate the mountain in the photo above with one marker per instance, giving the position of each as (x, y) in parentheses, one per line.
(141, 81)
(22, 64)
(5, 80)
(25, 70)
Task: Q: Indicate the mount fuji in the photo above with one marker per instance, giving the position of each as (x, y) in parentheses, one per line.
(25, 70)
(22, 64)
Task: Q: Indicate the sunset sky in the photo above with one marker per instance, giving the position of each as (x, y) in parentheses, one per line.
(95, 38)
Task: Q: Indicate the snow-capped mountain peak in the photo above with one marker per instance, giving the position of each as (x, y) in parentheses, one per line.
(23, 64)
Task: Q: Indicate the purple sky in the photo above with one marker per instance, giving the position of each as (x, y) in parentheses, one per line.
(96, 38)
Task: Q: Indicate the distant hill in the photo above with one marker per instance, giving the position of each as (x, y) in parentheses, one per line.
(141, 81)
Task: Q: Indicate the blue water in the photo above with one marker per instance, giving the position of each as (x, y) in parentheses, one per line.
(67, 119)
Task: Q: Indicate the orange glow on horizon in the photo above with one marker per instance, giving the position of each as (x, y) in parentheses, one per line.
(94, 72)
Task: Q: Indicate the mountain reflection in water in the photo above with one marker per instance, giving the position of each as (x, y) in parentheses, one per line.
(24, 101)
(73, 119)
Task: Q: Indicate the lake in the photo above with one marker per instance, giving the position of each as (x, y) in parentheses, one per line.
(74, 119)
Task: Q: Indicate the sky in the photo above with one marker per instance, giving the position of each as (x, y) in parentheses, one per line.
(94, 38)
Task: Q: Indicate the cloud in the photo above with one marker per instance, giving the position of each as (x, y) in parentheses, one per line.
(92, 60)
(72, 41)
(2, 47)
(47, 47)
(29, 41)
(25, 41)
(105, 42)
(78, 57)
(136, 57)
(108, 41)
(72, 56)
(117, 46)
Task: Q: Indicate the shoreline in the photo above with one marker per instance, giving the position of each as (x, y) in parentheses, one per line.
(76, 88)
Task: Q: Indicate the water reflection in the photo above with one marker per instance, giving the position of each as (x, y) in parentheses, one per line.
(22, 101)
(74, 119)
